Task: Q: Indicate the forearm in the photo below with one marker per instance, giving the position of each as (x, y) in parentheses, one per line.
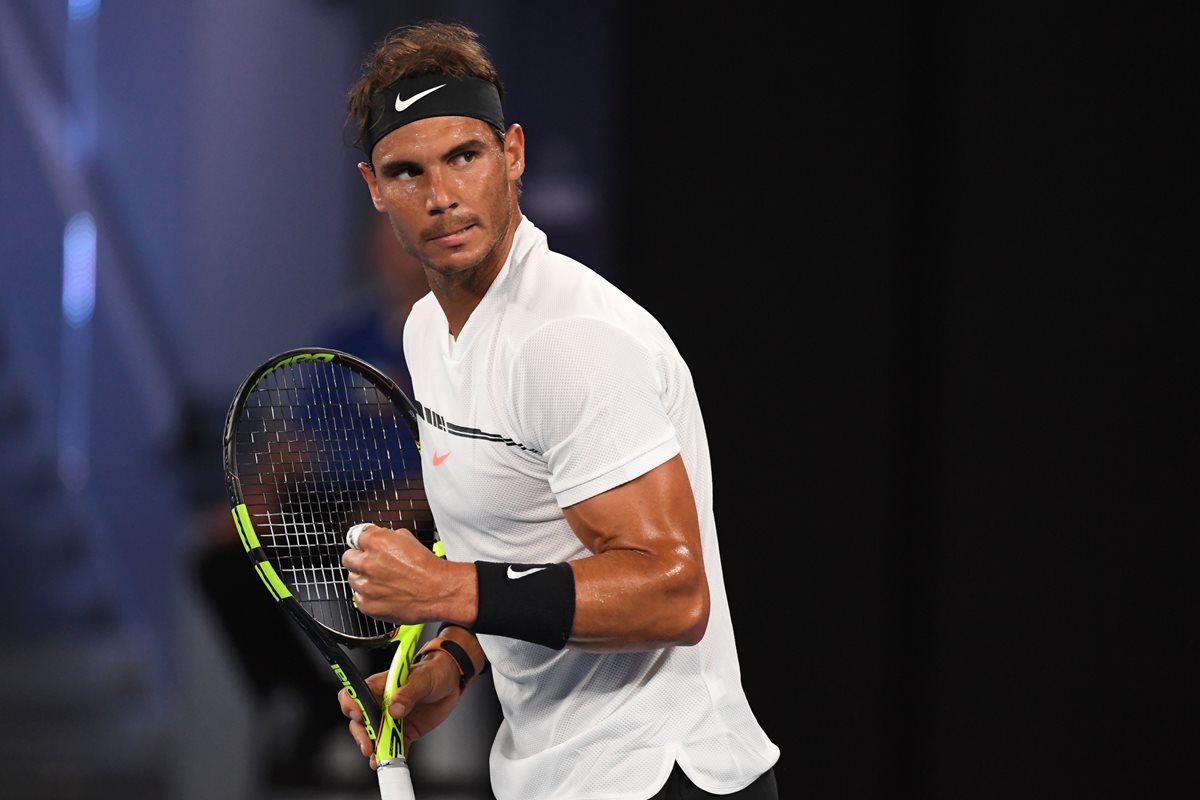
(617, 600)
(641, 595)
(627, 600)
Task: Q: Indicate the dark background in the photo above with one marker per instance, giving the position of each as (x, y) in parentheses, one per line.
(928, 263)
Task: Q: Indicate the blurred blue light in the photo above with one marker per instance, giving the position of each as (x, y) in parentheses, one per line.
(82, 9)
(79, 270)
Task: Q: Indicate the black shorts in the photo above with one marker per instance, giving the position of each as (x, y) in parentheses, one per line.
(678, 787)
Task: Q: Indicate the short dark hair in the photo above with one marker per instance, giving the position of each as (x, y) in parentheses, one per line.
(425, 48)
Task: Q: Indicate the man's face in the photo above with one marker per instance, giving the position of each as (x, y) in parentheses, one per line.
(448, 187)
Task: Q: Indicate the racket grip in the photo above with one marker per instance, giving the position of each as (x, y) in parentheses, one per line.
(394, 781)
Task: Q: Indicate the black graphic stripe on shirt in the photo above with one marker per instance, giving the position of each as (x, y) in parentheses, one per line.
(438, 421)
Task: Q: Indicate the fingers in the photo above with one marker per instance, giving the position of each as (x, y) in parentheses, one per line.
(365, 745)
(358, 731)
(355, 535)
(359, 734)
(376, 683)
(354, 532)
(355, 540)
(351, 709)
(428, 682)
(403, 699)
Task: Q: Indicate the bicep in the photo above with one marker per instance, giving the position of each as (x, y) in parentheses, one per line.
(645, 584)
(652, 514)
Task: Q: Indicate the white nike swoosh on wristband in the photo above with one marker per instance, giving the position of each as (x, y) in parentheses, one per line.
(514, 574)
(403, 104)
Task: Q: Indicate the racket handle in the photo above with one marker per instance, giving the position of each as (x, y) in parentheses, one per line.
(394, 781)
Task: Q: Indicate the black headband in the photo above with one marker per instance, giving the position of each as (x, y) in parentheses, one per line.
(410, 99)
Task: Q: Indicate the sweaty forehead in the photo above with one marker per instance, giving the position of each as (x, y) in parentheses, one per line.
(430, 138)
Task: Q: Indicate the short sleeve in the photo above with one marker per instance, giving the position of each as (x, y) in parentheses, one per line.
(589, 397)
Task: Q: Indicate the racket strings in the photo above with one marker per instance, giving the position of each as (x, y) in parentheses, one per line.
(320, 448)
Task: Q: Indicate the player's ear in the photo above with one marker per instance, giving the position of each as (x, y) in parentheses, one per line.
(514, 151)
(368, 175)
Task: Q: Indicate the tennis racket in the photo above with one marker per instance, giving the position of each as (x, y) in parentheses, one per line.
(316, 442)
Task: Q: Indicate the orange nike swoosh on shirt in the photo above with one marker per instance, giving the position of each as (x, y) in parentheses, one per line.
(437, 460)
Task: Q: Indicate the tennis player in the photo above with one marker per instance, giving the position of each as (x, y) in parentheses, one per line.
(566, 461)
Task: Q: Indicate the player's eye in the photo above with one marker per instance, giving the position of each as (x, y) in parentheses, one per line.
(402, 172)
(464, 158)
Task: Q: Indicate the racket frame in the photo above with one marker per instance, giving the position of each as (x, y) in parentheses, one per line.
(383, 730)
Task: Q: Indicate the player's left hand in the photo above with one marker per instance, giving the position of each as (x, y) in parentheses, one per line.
(423, 702)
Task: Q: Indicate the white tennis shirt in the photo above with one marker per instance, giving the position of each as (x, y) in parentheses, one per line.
(560, 387)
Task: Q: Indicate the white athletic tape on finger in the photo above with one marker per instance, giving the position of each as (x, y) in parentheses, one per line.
(354, 532)
(394, 780)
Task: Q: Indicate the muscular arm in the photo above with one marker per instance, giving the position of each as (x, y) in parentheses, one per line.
(645, 585)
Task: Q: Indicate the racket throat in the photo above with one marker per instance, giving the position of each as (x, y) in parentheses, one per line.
(368, 718)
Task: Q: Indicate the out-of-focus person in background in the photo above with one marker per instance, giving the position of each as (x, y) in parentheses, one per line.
(566, 462)
(370, 323)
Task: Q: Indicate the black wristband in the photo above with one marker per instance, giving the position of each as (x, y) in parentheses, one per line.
(466, 670)
(486, 664)
(531, 602)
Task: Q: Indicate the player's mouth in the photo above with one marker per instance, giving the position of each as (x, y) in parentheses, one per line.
(453, 238)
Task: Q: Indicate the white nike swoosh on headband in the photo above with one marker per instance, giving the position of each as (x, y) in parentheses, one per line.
(403, 104)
